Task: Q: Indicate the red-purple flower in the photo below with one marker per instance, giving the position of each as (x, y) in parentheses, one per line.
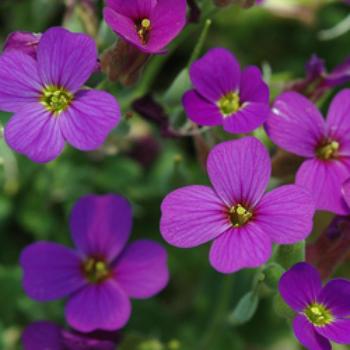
(24, 41)
(235, 213)
(148, 24)
(322, 313)
(223, 95)
(297, 126)
(43, 335)
(46, 95)
(103, 272)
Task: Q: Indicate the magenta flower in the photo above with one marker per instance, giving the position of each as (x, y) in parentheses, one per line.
(102, 274)
(322, 313)
(297, 126)
(148, 24)
(24, 41)
(223, 95)
(235, 213)
(46, 96)
(43, 335)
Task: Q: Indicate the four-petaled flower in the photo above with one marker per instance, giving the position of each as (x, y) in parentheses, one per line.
(223, 95)
(148, 24)
(296, 125)
(235, 213)
(322, 313)
(46, 96)
(103, 273)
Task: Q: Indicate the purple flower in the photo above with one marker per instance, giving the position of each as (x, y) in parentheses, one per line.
(224, 95)
(102, 274)
(297, 126)
(322, 313)
(235, 212)
(148, 24)
(43, 335)
(46, 96)
(24, 41)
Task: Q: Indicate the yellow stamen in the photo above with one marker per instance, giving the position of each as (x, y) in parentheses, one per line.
(328, 150)
(229, 104)
(318, 315)
(143, 30)
(56, 99)
(96, 271)
(239, 215)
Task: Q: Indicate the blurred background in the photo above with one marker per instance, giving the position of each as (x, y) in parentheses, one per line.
(152, 153)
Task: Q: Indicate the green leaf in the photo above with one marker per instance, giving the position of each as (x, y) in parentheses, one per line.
(245, 309)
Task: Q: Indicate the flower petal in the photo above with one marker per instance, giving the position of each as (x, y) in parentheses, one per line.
(89, 119)
(308, 336)
(300, 286)
(35, 132)
(338, 331)
(336, 297)
(142, 269)
(286, 214)
(248, 118)
(66, 59)
(98, 306)
(338, 118)
(19, 81)
(50, 271)
(239, 171)
(215, 74)
(191, 216)
(134, 9)
(346, 192)
(295, 124)
(101, 225)
(200, 110)
(323, 179)
(252, 87)
(239, 248)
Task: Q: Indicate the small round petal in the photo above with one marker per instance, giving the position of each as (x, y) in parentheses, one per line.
(142, 269)
(88, 120)
(295, 124)
(252, 86)
(200, 110)
(239, 171)
(102, 306)
(248, 118)
(307, 335)
(338, 331)
(338, 118)
(346, 192)
(192, 215)
(336, 297)
(42, 335)
(19, 81)
(239, 248)
(50, 271)
(35, 132)
(286, 214)
(66, 59)
(215, 74)
(324, 179)
(101, 225)
(300, 286)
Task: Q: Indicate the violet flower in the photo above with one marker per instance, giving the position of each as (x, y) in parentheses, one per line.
(148, 24)
(43, 335)
(322, 313)
(103, 272)
(46, 96)
(24, 41)
(242, 221)
(223, 95)
(297, 126)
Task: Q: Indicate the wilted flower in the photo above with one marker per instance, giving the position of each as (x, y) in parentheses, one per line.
(103, 272)
(223, 95)
(297, 126)
(24, 41)
(46, 96)
(322, 313)
(148, 24)
(235, 213)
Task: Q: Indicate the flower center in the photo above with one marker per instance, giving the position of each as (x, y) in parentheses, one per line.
(328, 150)
(143, 29)
(55, 99)
(95, 270)
(229, 104)
(318, 315)
(239, 215)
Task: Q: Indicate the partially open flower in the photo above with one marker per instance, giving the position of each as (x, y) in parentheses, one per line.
(23, 41)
